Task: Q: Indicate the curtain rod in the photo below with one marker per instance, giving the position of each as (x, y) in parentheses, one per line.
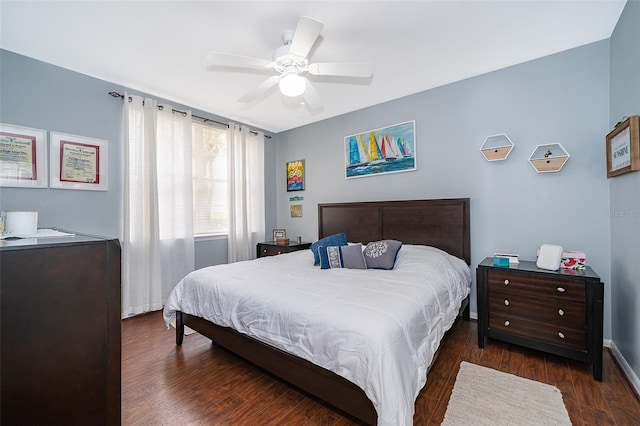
(204, 120)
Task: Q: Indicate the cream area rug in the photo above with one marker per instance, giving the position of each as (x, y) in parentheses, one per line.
(483, 396)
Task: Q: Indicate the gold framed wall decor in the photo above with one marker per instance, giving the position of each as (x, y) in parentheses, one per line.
(623, 148)
(296, 210)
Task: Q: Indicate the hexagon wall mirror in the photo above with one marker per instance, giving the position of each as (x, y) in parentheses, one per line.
(548, 158)
(496, 147)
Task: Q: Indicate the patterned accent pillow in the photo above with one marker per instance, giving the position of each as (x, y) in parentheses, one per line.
(331, 240)
(381, 254)
(330, 257)
(349, 256)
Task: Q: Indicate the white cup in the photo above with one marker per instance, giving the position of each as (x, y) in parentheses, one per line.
(21, 223)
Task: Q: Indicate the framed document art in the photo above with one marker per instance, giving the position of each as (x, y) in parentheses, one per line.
(623, 148)
(23, 156)
(78, 162)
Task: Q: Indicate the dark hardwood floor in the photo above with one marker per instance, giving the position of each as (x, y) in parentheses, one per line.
(202, 384)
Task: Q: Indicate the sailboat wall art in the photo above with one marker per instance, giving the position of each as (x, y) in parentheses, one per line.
(390, 149)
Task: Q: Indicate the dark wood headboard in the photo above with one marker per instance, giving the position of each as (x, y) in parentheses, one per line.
(439, 223)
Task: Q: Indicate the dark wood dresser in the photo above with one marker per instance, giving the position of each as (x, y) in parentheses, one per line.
(270, 248)
(559, 312)
(60, 331)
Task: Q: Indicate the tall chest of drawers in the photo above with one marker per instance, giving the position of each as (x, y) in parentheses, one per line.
(559, 312)
(60, 331)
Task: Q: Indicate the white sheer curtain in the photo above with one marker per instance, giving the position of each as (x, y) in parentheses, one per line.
(158, 204)
(246, 192)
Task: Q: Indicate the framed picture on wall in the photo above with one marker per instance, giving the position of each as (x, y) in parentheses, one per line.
(78, 162)
(390, 149)
(623, 148)
(295, 175)
(296, 210)
(23, 156)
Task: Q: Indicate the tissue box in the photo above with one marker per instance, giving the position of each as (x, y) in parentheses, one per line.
(573, 260)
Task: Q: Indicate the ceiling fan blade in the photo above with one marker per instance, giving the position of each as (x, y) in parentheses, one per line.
(341, 69)
(227, 59)
(260, 89)
(311, 97)
(306, 34)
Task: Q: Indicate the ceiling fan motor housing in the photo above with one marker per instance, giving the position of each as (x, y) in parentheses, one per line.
(284, 61)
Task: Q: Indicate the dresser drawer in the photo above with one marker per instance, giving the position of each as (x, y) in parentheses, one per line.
(272, 249)
(556, 311)
(568, 337)
(537, 286)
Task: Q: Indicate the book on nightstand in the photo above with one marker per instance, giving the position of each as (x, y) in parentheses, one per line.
(512, 257)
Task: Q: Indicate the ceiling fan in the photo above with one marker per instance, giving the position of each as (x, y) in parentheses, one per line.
(291, 63)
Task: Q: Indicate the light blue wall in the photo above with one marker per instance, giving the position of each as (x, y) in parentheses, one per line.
(35, 94)
(43, 96)
(562, 98)
(625, 193)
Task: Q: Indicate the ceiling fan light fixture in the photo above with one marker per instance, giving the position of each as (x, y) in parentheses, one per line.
(291, 65)
(292, 85)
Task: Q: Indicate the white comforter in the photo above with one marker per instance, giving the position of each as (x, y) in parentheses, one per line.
(379, 329)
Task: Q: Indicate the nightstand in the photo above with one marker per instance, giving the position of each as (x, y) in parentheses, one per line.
(270, 248)
(559, 312)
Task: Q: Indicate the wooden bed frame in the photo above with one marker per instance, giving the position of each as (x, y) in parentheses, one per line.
(439, 223)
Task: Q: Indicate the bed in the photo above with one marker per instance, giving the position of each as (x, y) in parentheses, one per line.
(358, 385)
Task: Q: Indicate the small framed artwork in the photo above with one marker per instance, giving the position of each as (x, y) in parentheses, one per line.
(295, 175)
(279, 234)
(390, 149)
(623, 148)
(78, 162)
(23, 156)
(296, 210)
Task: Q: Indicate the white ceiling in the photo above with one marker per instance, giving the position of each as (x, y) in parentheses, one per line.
(158, 47)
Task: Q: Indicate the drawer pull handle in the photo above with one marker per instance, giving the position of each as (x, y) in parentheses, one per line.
(560, 312)
(561, 335)
(264, 251)
(506, 302)
(506, 323)
(279, 252)
(561, 289)
(506, 282)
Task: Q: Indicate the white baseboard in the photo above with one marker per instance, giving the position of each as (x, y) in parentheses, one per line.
(631, 376)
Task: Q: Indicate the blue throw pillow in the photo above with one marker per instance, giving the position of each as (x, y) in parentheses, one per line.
(342, 257)
(332, 240)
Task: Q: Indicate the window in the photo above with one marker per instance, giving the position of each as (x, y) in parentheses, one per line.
(210, 185)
